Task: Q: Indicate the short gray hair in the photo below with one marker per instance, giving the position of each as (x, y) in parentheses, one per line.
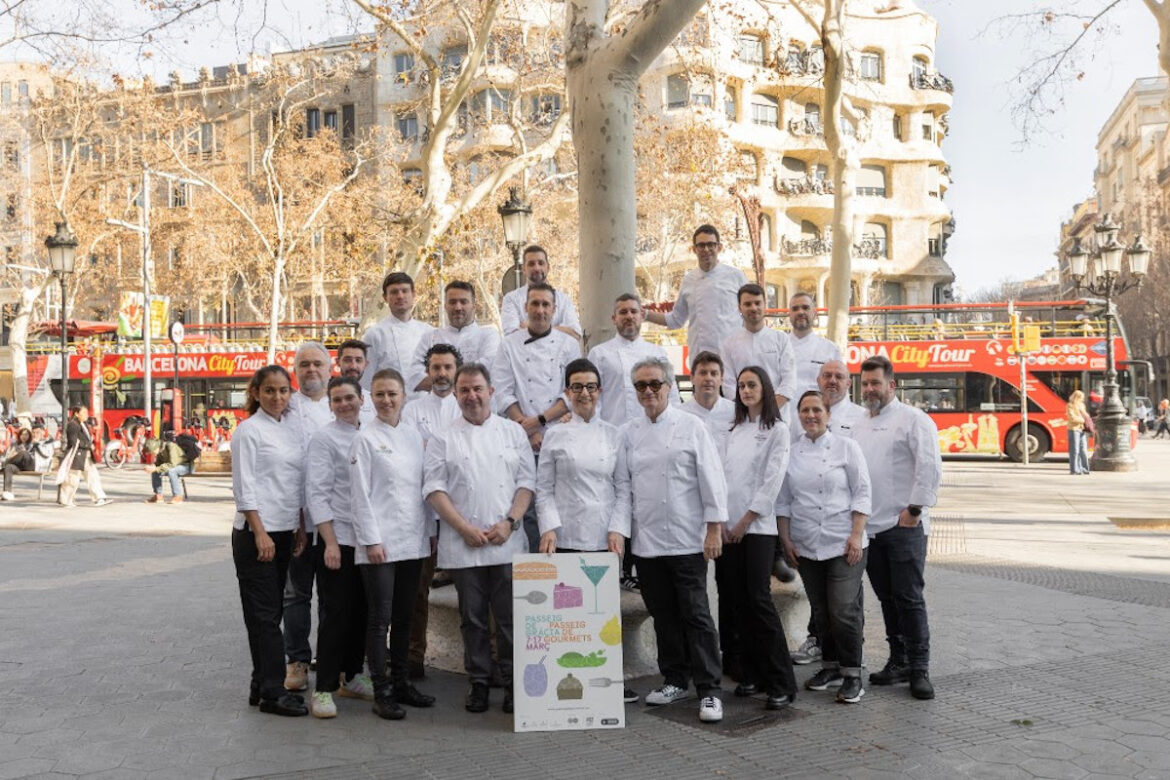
(306, 346)
(661, 363)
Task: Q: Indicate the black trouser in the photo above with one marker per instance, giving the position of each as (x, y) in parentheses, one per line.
(391, 590)
(747, 567)
(341, 633)
(483, 590)
(261, 596)
(674, 588)
(298, 604)
(422, 606)
(834, 595)
(730, 603)
(897, 560)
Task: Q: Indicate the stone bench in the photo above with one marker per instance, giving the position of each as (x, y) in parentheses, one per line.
(639, 648)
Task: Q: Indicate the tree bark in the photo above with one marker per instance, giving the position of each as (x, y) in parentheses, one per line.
(17, 341)
(601, 75)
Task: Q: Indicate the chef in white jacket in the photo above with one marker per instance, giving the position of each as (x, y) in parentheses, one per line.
(394, 534)
(479, 477)
(755, 344)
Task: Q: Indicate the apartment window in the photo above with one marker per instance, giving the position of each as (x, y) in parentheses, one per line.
(5, 93)
(896, 127)
(703, 99)
(403, 67)
(452, 61)
(928, 127)
(820, 172)
(177, 194)
(491, 105)
(751, 48)
(678, 91)
(876, 238)
(312, 122)
(765, 111)
(407, 125)
(870, 66)
(22, 89)
(11, 156)
(918, 67)
(731, 103)
(749, 166)
(812, 114)
(933, 182)
(546, 108)
(766, 232)
(331, 121)
(871, 181)
(207, 139)
(411, 174)
(10, 208)
(347, 122)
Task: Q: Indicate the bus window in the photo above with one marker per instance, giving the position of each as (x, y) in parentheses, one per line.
(1062, 383)
(932, 392)
(986, 393)
(227, 395)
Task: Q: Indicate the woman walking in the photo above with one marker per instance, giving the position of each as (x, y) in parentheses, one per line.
(79, 448)
(393, 533)
(267, 480)
(822, 509)
(1080, 425)
(755, 459)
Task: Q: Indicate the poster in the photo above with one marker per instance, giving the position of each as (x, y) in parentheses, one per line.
(131, 309)
(567, 630)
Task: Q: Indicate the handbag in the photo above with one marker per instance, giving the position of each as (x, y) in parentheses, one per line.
(66, 463)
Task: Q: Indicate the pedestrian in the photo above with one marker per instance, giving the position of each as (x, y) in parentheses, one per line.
(78, 451)
(900, 445)
(341, 631)
(169, 461)
(706, 301)
(755, 459)
(479, 477)
(575, 476)
(395, 536)
(672, 504)
(267, 481)
(514, 306)
(1080, 427)
(25, 454)
(1163, 419)
(823, 509)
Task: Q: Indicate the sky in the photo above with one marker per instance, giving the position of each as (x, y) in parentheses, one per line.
(1009, 195)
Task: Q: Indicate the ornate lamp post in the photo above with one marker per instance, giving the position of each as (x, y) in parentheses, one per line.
(62, 248)
(1098, 272)
(516, 215)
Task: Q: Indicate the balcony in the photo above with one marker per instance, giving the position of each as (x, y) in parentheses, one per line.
(871, 249)
(808, 247)
(871, 192)
(800, 62)
(806, 127)
(803, 185)
(936, 81)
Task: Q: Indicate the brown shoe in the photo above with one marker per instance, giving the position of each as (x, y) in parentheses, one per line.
(154, 499)
(176, 500)
(296, 677)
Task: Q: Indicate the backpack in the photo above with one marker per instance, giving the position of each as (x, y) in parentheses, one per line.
(189, 445)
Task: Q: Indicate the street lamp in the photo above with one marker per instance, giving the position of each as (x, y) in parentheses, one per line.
(516, 214)
(62, 248)
(1098, 272)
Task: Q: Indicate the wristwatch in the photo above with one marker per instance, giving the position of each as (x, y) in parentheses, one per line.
(515, 523)
(914, 510)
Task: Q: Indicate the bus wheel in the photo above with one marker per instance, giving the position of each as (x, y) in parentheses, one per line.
(1038, 444)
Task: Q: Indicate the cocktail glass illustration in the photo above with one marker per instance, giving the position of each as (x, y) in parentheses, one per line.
(594, 573)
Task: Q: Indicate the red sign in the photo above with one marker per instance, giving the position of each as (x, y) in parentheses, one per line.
(196, 365)
(991, 356)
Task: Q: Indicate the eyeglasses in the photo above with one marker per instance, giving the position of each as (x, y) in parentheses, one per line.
(588, 387)
(707, 245)
(653, 386)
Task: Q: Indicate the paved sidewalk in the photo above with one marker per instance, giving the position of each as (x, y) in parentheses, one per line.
(122, 654)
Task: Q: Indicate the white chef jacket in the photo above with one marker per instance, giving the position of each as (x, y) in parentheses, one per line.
(513, 311)
(755, 460)
(476, 344)
(480, 467)
(718, 418)
(392, 345)
(267, 473)
(843, 415)
(327, 491)
(575, 482)
(386, 476)
(827, 482)
(368, 413)
(669, 485)
(901, 448)
(429, 413)
(531, 370)
(707, 304)
(769, 349)
(810, 353)
(307, 417)
(615, 360)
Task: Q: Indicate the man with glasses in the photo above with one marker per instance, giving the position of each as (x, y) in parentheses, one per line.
(476, 344)
(706, 301)
(393, 339)
(755, 344)
(671, 500)
(616, 358)
(514, 307)
(575, 494)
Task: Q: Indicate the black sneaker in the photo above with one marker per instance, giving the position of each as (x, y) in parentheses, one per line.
(412, 697)
(477, 697)
(920, 685)
(386, 707)
(630, 583)
(824, 680)
(778, 701)
(746, 689)
(629, 696)
(288, 705)
(851, 691)
(891, 674)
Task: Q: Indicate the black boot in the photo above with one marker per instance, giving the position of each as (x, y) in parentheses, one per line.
(385, 706)
(407, 694)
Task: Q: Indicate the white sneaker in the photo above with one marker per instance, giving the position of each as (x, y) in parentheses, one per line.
(667, 694)
(710, 709)
(103, 502)
(809, 651)
(360, 687)
(6, 496)
(322, 705)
